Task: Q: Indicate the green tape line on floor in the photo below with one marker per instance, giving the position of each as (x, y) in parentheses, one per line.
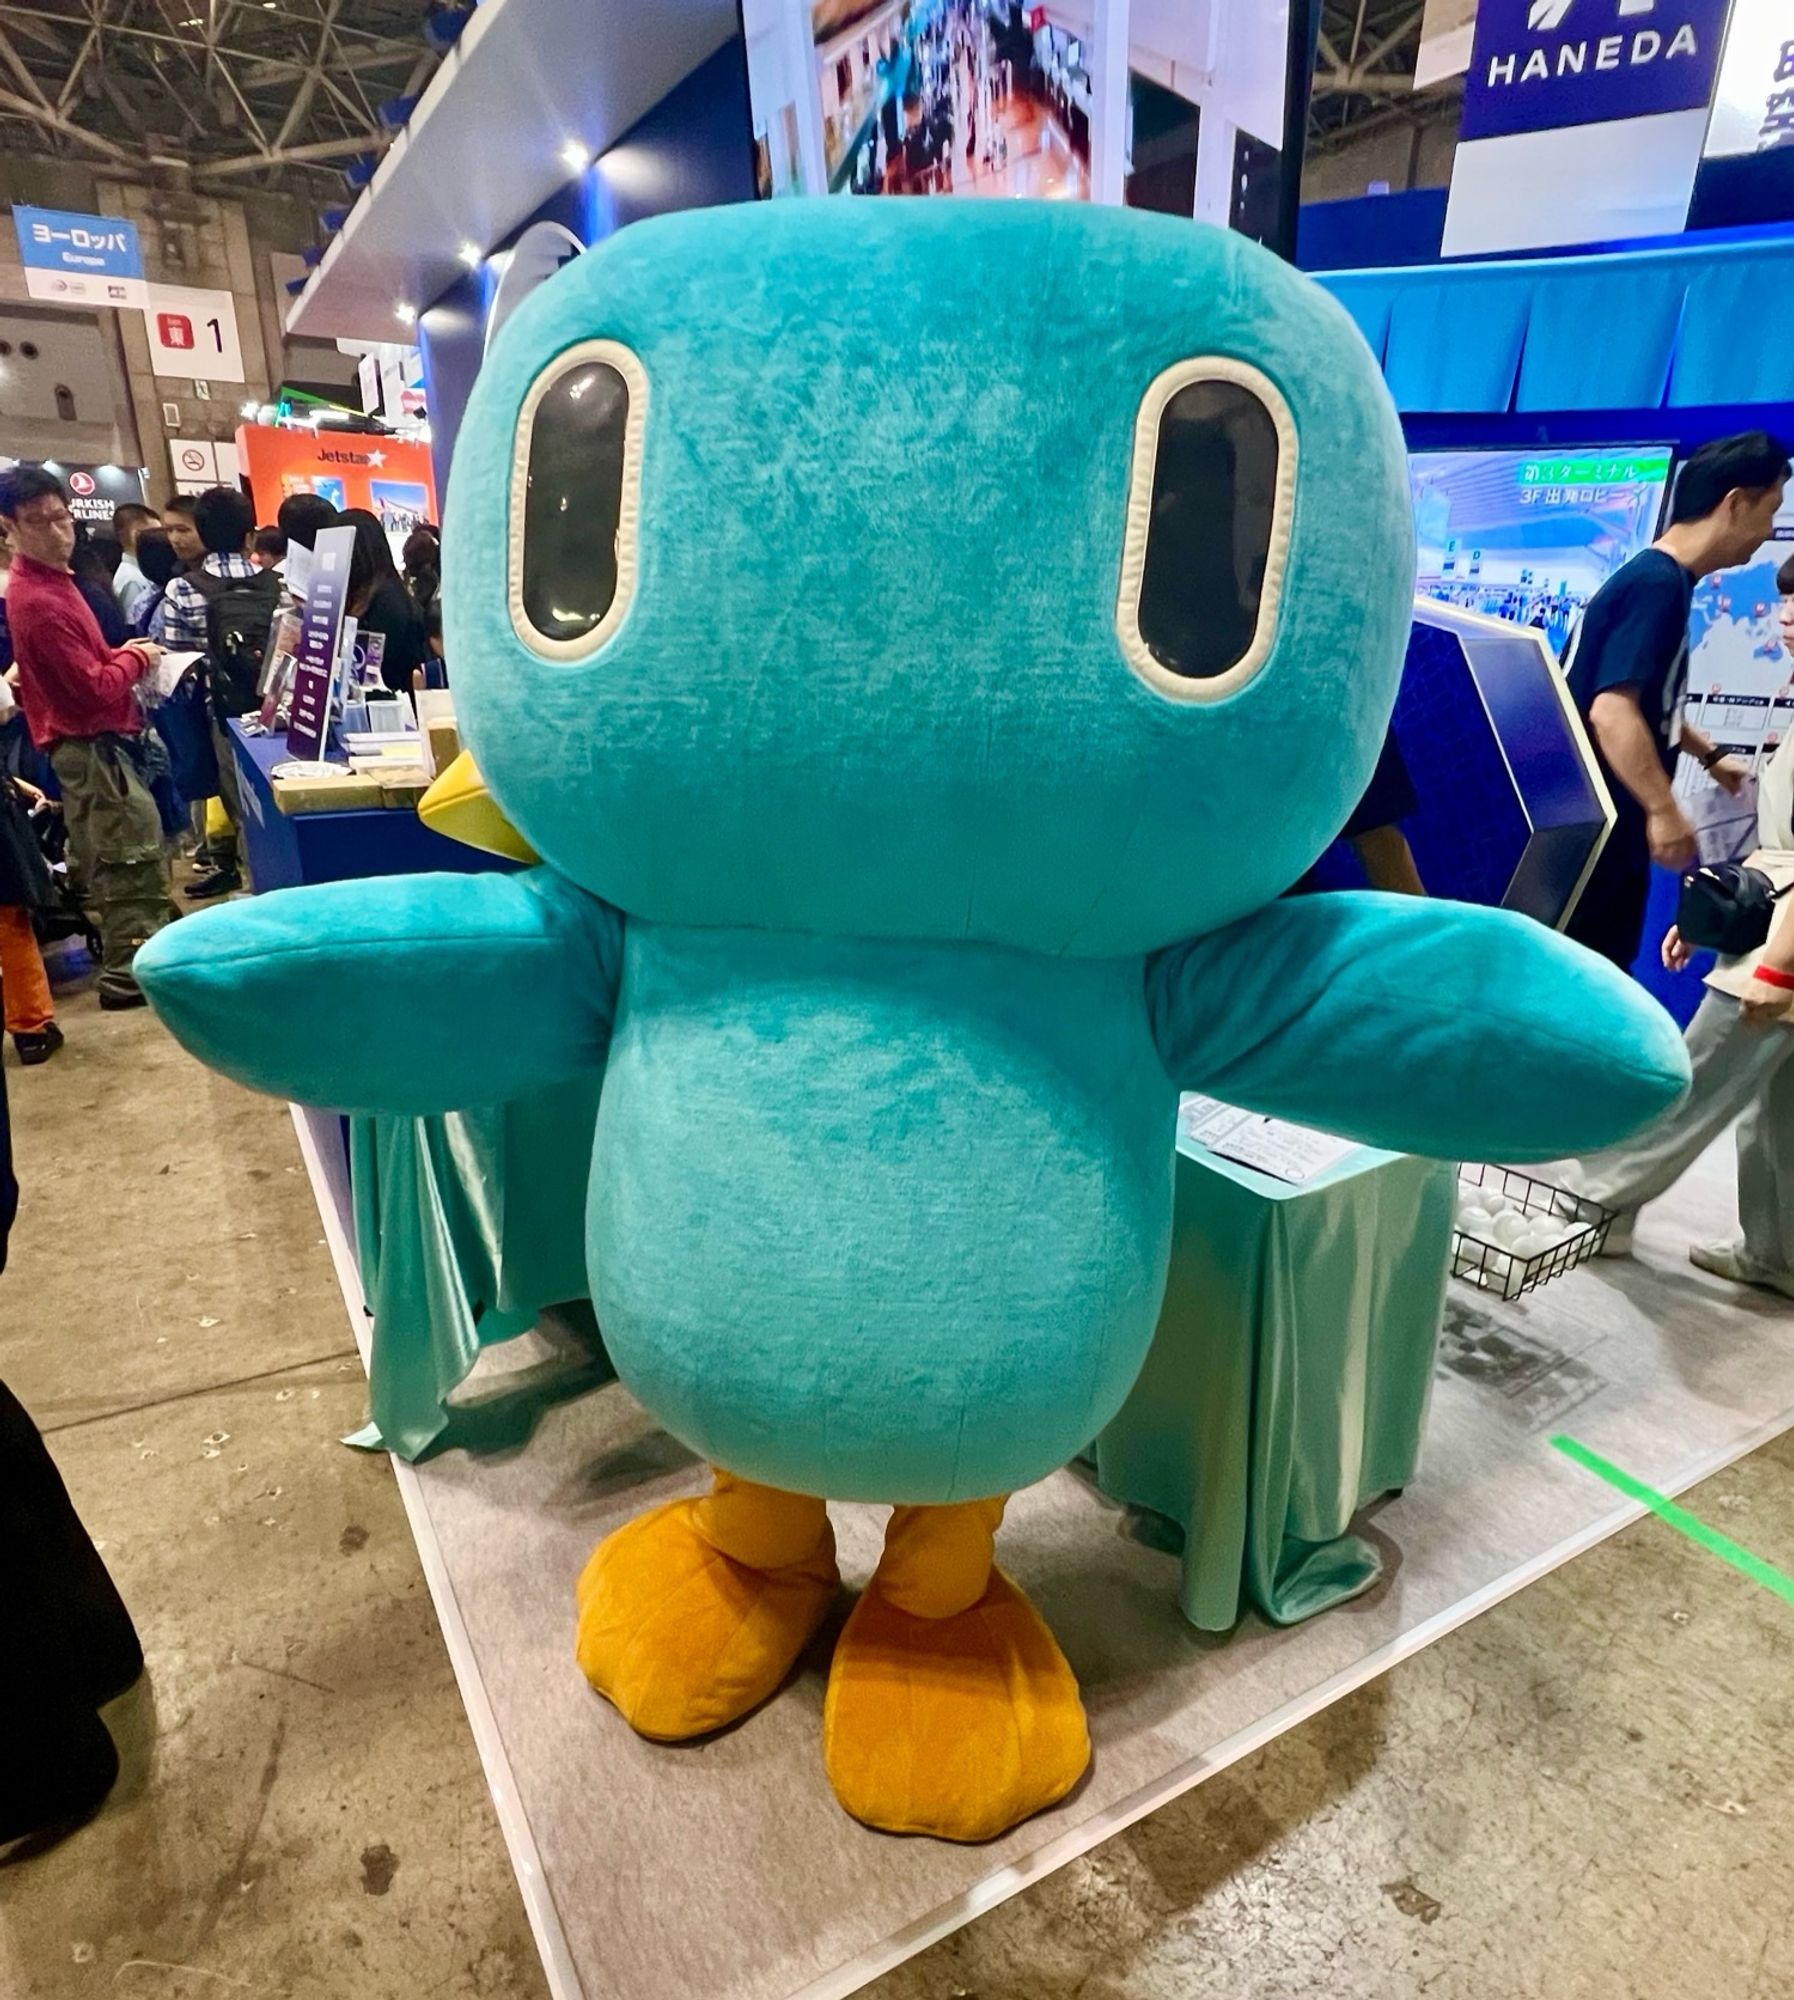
(1680, 1519)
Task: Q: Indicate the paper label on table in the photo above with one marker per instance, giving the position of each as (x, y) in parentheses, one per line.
(169, 671)
(1292, 1153)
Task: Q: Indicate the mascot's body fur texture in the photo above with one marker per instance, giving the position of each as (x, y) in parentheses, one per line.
(897, 886)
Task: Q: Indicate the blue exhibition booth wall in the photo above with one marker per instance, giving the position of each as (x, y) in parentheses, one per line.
(1670, 343)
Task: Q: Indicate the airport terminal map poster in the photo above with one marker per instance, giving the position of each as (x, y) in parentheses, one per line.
(1175, 105)
(1531, 536)
(1739, 686)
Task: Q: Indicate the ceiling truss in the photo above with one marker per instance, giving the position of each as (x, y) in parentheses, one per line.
(1364, 75)
(275, 94)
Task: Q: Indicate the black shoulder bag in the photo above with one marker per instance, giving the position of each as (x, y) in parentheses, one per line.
(1727, 907)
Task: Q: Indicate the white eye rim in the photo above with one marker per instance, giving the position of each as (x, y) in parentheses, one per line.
(1160, 678)
(635, 379)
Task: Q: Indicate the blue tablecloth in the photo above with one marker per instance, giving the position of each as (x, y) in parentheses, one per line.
(287, 850)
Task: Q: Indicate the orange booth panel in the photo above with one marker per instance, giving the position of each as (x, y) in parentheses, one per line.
(391, 477)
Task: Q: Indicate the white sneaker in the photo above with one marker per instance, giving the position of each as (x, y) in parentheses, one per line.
(1728, 1260)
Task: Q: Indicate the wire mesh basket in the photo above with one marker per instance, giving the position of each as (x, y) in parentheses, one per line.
(1496, 1267)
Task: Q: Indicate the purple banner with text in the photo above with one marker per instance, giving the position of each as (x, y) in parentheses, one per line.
(320, 631)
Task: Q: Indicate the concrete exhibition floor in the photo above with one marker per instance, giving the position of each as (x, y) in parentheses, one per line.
(1586, 1790)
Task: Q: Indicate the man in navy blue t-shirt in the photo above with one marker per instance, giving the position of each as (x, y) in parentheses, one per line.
(1628, 673)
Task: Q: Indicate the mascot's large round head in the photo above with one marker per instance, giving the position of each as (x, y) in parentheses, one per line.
(937, 569)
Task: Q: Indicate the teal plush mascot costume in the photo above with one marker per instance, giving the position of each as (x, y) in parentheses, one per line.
(922, 642)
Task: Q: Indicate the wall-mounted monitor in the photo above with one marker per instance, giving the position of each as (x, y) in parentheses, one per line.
(1530, 536)
(1177, 105)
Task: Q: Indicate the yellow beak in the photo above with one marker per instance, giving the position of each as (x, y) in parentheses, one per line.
(459, 806)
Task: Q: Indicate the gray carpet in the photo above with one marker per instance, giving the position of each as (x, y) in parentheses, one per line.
(726, 1872)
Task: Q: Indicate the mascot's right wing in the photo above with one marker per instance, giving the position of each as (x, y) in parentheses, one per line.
(408, 994)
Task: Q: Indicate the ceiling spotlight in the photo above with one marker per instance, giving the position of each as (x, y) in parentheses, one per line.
(407, 314)
(574, 156)
(470, 255)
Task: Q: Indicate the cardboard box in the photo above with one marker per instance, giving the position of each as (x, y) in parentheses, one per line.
(348, 793)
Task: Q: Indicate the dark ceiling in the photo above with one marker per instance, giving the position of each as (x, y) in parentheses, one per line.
(249, 93)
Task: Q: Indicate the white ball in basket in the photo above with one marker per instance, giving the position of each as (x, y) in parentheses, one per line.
(1508, 1227)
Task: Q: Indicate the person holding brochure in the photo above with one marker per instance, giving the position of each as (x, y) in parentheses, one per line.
(80, 701)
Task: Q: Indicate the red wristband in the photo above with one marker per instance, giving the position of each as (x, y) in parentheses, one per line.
(1771, 977)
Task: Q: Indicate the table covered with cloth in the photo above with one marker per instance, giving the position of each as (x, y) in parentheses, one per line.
(1289, 1379)
(1287, 1385)
(466, 1226)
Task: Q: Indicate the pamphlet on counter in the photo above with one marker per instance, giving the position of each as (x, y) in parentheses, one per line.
(1286, 1152)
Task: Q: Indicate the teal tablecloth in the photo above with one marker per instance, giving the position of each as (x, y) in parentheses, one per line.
(1289, 1378)
(466, 1226)
(1287, 1384)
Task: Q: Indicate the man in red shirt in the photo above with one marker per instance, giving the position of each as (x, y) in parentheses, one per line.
(81, 707)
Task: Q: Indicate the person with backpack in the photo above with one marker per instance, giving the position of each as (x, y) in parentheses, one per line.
(224, 608)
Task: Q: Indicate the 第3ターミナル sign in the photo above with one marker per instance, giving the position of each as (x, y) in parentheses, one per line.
(79, 260)
(1543, 64)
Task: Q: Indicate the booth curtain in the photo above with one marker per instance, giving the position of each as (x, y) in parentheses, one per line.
(1694, 326)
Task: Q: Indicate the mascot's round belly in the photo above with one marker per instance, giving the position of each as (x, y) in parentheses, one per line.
(879, 1221)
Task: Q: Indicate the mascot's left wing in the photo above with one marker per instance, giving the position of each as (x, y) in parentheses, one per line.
(1424, 1027)
(412, 994)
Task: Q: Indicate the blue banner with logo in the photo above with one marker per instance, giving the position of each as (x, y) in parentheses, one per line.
(51, 239)
(1537, 65)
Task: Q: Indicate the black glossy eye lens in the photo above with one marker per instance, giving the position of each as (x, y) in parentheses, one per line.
(573, 501)
(1208, 537)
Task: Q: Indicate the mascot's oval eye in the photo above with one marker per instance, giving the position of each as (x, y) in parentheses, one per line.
(575, 490)
(1207, 542)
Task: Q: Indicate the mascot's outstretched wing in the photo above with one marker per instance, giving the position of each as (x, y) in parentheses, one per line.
(410, 994)
(1425, 1027)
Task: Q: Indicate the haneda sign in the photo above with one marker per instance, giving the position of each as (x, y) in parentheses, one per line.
(1539, 65)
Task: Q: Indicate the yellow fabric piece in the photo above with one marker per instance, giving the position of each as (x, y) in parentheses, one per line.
(218, 821)
(959, 1726)
(459, 806)
(684, 1639)
(937, 1559)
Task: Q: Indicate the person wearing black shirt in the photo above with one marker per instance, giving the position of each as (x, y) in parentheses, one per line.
(1628, 675)
(379, 601)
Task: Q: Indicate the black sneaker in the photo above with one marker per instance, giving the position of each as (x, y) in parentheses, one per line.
(115, 999)
(38, 1048)
(220, 883)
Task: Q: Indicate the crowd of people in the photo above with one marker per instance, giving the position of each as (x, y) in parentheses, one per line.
(105, 771)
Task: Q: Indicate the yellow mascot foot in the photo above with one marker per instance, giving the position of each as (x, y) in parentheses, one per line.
(684, 1639)
(960, 1727)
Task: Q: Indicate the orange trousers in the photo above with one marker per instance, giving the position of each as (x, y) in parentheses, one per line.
(24, 985)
